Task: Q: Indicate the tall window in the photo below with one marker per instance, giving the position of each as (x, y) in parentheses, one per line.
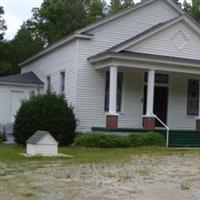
(193, 97)
(62, 83)
(48, 83)
(119, 91)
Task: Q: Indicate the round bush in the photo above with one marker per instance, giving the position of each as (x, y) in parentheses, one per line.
(48, 112)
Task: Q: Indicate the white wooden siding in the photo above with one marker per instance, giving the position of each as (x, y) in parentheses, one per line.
(40, 149)
(5, 99)
(91, 83)
(123, 28)
(132, 101)
(63, 59)
(179, 40)
(85, 87)
(177, 108)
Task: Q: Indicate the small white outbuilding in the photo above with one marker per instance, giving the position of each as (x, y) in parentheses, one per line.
(42, 143)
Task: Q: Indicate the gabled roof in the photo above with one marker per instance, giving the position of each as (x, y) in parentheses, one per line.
(28, 78)
(144, 35)
(127, 11)
(35, 138)
(82, 33)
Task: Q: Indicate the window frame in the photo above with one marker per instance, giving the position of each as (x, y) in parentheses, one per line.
(48, 82)
(62, 82)
(192, 110)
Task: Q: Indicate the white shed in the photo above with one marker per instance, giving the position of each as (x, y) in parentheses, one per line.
(42, 143)
(14, 89)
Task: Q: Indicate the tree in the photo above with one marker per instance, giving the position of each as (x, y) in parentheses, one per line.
(58, 18)
(5, 55)
(3, 26)
(48, 112)
(193, 9)
(117, 5)
(24, 45)
(54, 20)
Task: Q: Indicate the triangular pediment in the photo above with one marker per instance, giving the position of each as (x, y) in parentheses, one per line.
(178, 37)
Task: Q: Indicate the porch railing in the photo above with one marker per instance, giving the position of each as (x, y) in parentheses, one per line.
(167, 128)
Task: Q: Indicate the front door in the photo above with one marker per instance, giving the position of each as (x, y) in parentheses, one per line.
(160, 103)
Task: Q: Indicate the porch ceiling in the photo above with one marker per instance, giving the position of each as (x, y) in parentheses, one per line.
(146, 61)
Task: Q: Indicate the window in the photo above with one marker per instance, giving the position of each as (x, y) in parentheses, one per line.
(48, 83)
(119, 91)
(193, 97)
(62, 83)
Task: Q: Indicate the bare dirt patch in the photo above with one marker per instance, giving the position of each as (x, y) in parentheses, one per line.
(143, 177)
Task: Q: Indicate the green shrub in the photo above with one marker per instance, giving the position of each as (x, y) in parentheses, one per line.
(48, 112)
(100, 140)
(116, 141)
(146, 139)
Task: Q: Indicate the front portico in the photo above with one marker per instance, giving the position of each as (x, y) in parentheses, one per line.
(170, 48)
(151, 65)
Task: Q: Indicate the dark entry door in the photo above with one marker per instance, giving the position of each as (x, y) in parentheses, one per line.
(160, 103)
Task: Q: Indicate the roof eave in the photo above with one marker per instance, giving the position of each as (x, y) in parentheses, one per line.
(54, 46)
(124, 12)
(21, 84)
(127, 57)
(113, 16)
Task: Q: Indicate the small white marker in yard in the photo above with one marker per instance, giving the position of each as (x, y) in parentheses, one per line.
(42, 143)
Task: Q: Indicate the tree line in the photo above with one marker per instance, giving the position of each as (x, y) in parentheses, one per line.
(56, 19)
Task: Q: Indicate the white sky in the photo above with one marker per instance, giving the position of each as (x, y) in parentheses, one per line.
(17, 11)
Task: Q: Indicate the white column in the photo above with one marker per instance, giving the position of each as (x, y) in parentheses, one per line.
(150, 92)
(113, 91)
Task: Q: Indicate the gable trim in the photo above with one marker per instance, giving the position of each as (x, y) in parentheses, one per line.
(163, 27)
(150, 32)
(125, 12)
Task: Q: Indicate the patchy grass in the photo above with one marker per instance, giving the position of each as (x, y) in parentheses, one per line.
(13, 154)
(101, 174)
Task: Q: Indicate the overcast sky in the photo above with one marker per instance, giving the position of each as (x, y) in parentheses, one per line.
(17, 11)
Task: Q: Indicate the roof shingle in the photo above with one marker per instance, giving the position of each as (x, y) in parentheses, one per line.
(25, 78)
(35, 138)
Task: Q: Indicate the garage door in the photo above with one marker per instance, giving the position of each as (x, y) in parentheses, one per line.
(15, 103)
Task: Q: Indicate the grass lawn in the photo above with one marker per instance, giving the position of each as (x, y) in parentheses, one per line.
(101, 174)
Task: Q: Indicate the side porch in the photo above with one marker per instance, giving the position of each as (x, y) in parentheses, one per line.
(137, 86)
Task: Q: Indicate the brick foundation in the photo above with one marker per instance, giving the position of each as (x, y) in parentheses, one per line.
(149, 123)
(198, 125)
(111, 121)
